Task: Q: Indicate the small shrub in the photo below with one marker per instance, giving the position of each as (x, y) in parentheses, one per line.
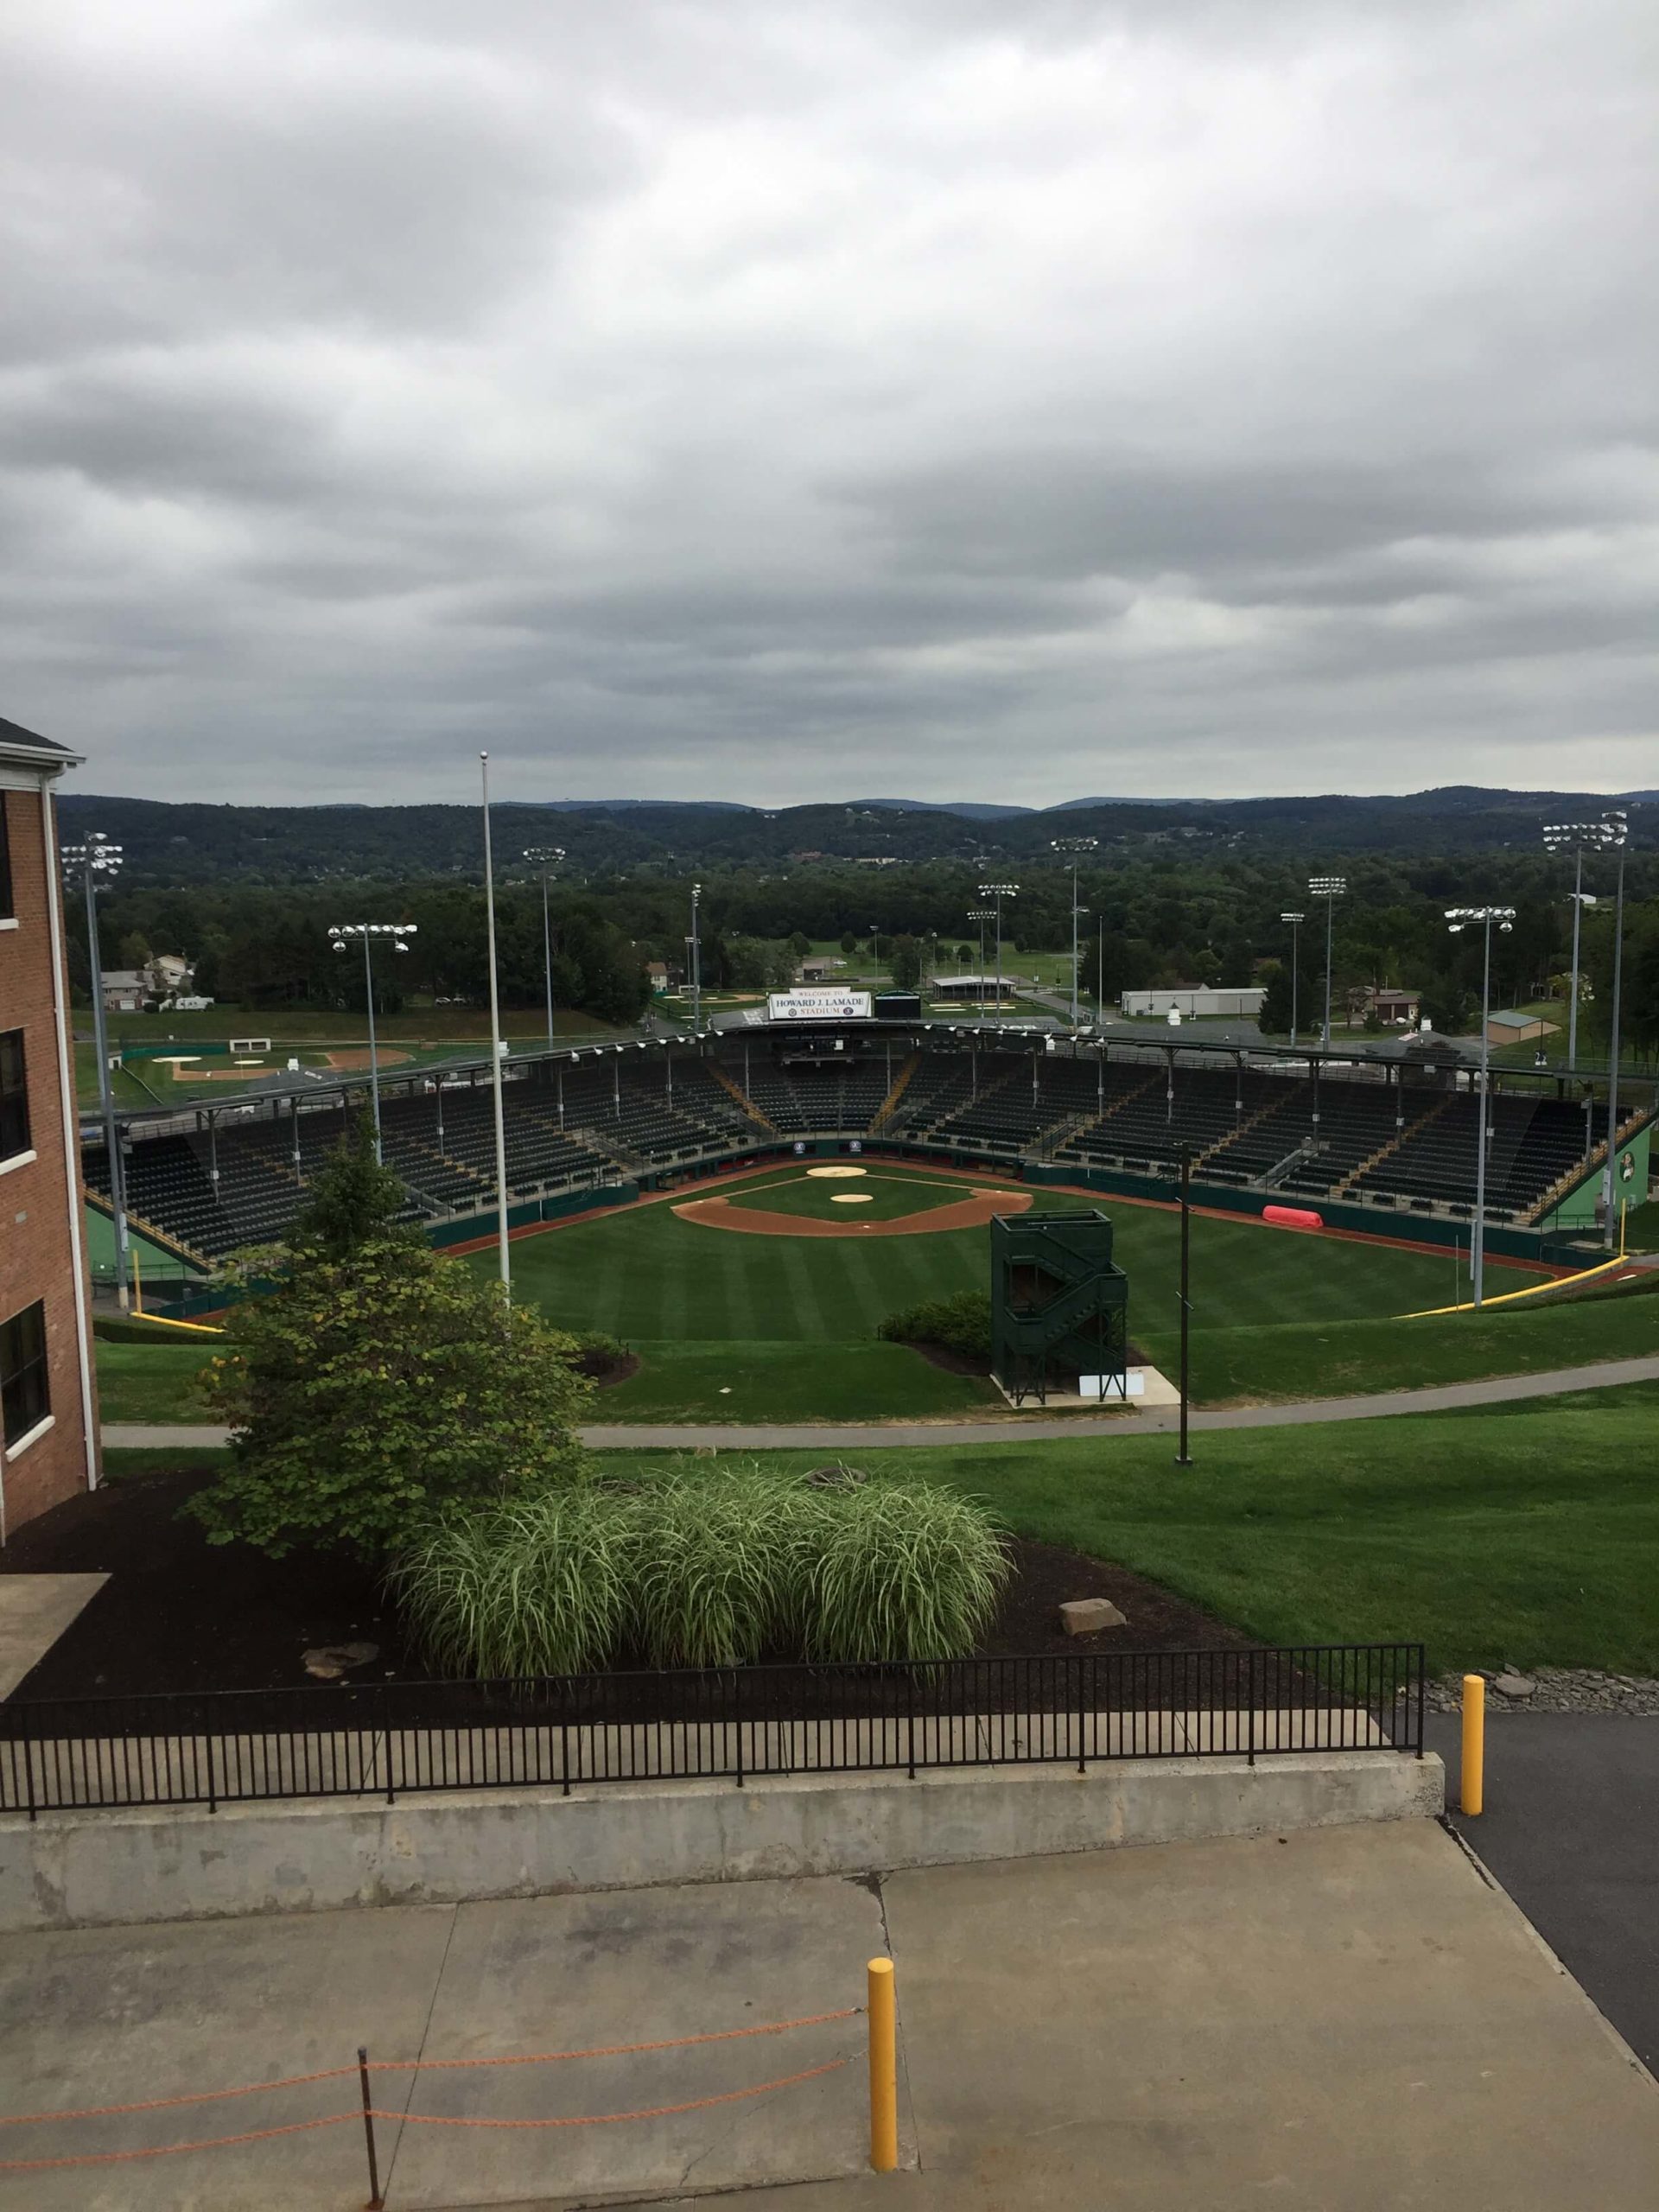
(719, 1569)
(962, 1324)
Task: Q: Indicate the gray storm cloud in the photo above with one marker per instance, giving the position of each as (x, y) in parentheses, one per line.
(735, 401)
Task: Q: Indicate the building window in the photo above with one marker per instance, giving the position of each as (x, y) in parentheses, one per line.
(23, 1397)
(14, 1095)
(8, 910)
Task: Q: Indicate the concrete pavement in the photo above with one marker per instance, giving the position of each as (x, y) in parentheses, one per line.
(1343, 2020)
(640, 1436)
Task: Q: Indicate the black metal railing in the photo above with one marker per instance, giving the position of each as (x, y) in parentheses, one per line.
(384, 1740)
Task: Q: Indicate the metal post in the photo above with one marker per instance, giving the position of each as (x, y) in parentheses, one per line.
(1184, 1458)
(1471, 1781)
(374, 1063)
(495, 1040)
(999, 953)
(375, 2198)
(697, 960)
(1295, 964)
(1330, 934)
(1611, 1181)
(884, 2067)
(106, 1089)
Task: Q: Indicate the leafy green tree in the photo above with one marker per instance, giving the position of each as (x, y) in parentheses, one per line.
(905, 962)
(353, 1201)
(849, 942)
(1274, 1020)
(378, 1381)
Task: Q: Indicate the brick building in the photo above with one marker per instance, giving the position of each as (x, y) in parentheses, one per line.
(49, 1407)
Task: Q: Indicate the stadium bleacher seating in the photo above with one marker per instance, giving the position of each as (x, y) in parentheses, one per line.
(574, 1120)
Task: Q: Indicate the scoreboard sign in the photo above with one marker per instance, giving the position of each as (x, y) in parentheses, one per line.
(819, 1006)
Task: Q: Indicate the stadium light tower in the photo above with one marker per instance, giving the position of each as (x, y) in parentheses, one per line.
(1481, 918)
(1573, 837)
(97, 858)
(1074, 846)
(1330, 888)
(342, 934)
(546, 858)
(999, 892)
(697, 960)
(1295, 921)
(982, 915)
(497, 1047)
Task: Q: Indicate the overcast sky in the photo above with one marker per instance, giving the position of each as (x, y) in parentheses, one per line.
(786, 399)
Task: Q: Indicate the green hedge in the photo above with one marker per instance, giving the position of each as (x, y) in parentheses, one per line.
(962, 1324)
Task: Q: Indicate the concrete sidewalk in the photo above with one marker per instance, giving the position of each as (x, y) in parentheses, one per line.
(1342, 2020)
(626, 1436)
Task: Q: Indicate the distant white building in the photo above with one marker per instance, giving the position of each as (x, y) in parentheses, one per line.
(1192, 1001)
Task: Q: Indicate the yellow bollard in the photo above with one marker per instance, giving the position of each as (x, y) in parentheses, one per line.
(1472, 1782)
(884, 2068)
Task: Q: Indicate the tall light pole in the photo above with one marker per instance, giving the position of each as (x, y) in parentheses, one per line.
(1457, 918)
(98, 857)
(496, 1047)
(1574, 837)
(1295, 921)
(875, 947)
(1074, 846)
(342, 933)
(546, 858)
(1330, 888)
(1609, 1182)
(999, 892)
(982, 915)
(697, 960)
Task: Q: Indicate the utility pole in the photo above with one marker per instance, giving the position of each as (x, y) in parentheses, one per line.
(1295, 921)
(1459, 918)
(1330, 888)
(547, 858)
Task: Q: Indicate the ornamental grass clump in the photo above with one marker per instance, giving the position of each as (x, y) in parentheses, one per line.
(540, 1586)
(900, 1571)
(694, 1569)
(720, 1568)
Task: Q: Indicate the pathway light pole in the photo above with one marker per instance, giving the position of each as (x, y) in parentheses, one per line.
(1295, 921)
(342, 933)
(546, 858)
(94, 859)
(1481, 918)
(1330, 888)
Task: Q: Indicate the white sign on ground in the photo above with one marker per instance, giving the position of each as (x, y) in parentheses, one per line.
(819, 1006)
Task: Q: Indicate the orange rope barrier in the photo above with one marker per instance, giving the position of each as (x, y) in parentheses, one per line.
(604, 2119)
(417, 2120)
(421, 2065)
(169, 2150)
(611, 2050)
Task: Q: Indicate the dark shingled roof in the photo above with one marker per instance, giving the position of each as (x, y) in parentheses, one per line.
(14, 737)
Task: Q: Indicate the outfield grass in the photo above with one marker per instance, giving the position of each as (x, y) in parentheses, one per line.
(644, 1273)
(790, 1381)
(1335, 1359)
(1491, 1539)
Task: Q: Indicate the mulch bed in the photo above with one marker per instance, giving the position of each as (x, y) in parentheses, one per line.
(179, 1614)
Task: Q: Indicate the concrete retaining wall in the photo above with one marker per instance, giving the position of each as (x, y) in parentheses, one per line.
(89, 1869)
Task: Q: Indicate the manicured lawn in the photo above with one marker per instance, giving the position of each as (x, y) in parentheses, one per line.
(645, 1274)
(140, 1381)
(883, 1194)
(1490, 1537)
(790, 1381)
